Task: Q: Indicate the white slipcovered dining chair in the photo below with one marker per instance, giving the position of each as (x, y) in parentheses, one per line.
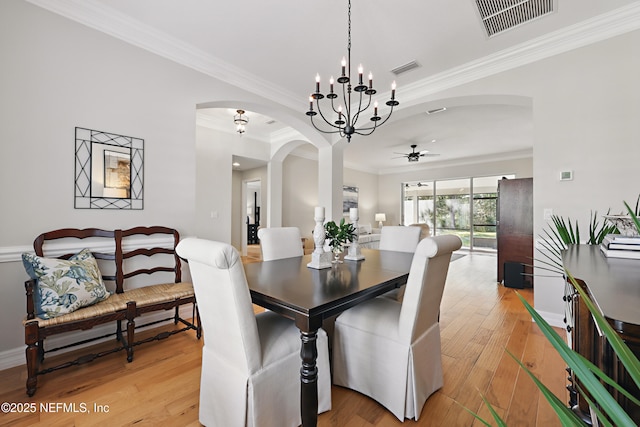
(390, 351)
(250, 362)
(280, 242)
(399, 238)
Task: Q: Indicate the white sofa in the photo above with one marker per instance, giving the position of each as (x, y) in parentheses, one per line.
(368, 238)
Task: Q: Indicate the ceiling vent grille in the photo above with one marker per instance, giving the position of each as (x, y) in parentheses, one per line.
(501, 15)
(406, 67)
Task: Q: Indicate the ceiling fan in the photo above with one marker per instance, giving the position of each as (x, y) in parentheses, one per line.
(414, 155)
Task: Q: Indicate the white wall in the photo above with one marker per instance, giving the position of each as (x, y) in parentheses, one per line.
(585, 118)
(300, 193)
(368, 199)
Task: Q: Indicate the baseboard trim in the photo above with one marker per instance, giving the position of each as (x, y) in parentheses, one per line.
(554, 319)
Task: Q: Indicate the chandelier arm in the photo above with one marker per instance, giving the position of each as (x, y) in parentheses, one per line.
(377, 123)
(346, 97)
(333, 106)
(360, 109)
(323, 117)
(347, 111)
(356, 116)
(322, 130)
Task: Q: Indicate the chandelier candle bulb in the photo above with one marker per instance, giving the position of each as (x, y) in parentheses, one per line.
(344, 65)
(360, 74)
(331, 84)
(393, 90)
(370, 80)
(317, 83)
(375, 108)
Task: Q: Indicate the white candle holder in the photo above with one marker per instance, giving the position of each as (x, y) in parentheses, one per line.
(354, 253)
(319, 258)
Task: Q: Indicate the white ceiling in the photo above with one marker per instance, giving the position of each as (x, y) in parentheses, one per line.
(275, 48)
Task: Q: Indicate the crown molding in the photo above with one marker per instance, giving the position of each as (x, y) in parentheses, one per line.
(109, 21)
(602, 27)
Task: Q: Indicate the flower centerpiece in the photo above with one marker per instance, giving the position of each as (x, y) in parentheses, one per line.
(338, 236)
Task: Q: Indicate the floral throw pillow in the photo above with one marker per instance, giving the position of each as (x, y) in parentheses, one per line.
(64, 286)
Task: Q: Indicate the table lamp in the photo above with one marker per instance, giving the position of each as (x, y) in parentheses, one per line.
(380, 217)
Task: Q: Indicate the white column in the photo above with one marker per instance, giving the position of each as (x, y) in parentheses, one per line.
(330, 176)
(274, 193)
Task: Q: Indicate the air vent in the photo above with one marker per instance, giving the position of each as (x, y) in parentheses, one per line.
(501, 15)
(406, 67)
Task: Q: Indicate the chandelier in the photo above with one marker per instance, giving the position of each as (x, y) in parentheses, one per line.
(347, 117)
(240, 121)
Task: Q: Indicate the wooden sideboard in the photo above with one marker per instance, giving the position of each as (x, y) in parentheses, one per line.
(614, 286)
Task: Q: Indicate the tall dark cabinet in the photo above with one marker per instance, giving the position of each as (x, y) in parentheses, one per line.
(515, 230)
(252, 228)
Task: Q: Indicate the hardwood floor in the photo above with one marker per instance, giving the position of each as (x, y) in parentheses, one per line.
(479, 320)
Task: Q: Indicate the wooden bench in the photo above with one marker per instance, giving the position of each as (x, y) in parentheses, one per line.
(151, 251)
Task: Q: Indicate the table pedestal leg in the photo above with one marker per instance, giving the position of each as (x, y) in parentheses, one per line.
(309, 379)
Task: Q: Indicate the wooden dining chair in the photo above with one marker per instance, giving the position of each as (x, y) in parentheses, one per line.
(250, 362)
(280, 242)
(390, 351)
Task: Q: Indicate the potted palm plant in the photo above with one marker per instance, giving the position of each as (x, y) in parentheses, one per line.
(598, 385)
(339, 236)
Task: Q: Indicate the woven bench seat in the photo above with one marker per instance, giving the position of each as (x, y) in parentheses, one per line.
(144, 296)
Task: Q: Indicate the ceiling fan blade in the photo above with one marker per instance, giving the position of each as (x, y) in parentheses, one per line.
(430, 155)
(400, 157)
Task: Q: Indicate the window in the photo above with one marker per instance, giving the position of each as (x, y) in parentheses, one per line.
(464, 207)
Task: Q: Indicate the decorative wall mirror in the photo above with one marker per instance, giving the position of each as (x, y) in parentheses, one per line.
(109, 170)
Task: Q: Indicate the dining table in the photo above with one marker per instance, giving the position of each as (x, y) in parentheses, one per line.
(309, 296)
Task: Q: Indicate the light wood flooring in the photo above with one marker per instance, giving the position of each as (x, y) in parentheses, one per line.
(160, 387)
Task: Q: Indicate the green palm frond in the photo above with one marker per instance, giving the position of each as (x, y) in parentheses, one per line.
(634, 214)
(590, 381)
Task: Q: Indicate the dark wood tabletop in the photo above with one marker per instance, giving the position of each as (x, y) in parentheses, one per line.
(290, 288)
(614, 283)
(287, 286)
(614, 286)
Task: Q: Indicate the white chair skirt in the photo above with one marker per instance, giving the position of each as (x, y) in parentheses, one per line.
(230, 397)
(370, 357)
